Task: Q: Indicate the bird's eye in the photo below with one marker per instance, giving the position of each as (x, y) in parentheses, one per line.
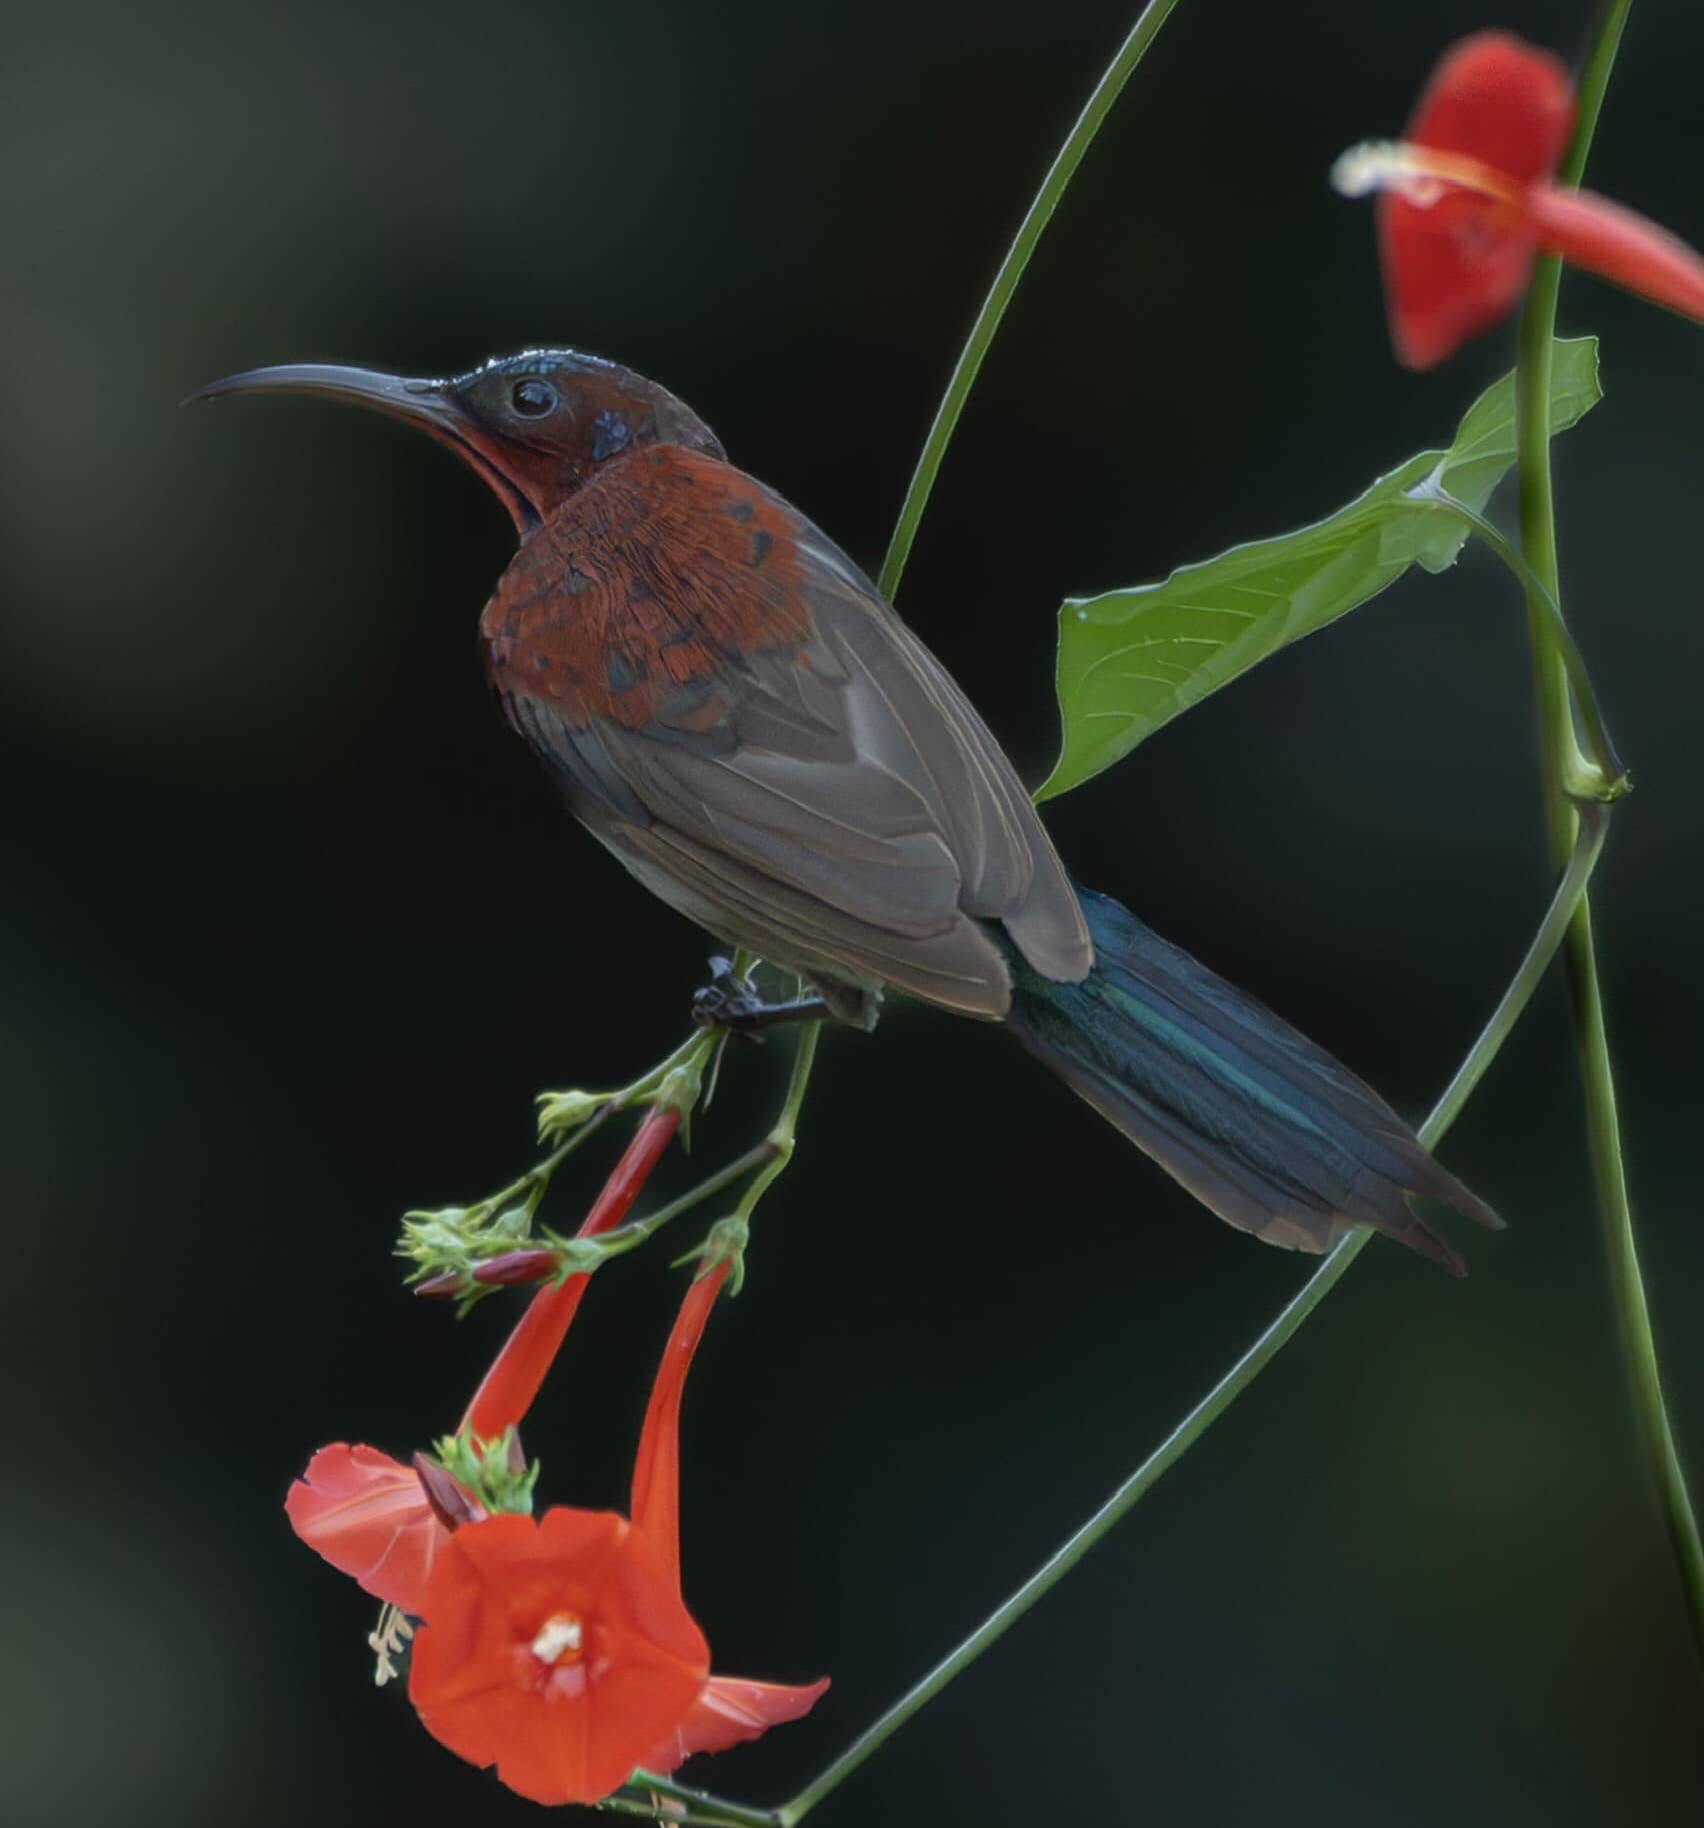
(533, 399)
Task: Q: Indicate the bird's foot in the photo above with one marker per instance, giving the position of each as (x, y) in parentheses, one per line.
(734, 1004)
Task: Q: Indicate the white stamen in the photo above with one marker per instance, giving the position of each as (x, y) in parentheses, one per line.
(557, 1636)
(1419, 174)
(388, 1643)
(1381, 165)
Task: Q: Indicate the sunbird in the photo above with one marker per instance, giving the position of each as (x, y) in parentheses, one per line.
(726, 702)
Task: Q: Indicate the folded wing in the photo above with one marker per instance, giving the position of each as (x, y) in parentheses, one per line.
(733, 709)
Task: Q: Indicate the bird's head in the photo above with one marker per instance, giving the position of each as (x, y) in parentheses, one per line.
(536, 426)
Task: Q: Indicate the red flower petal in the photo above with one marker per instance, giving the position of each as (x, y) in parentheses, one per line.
(366, 1515)
(728, 1710)
(1457, 267)
(656, 1467)
(1620, 245)
(1499, 100)
(506, 1391)
(570, 1727)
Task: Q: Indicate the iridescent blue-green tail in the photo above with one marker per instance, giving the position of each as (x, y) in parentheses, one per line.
(1256, 1121)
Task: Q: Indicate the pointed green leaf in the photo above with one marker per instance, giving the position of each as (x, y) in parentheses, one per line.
(1131, 660)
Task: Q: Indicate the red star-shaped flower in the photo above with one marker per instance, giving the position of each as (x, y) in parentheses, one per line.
(1469, 198)
(558, 1651)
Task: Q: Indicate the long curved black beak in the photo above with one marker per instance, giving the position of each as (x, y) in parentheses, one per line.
(421, 403)
(429, 406)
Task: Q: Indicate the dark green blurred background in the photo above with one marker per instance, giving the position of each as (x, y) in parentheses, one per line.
(292, 930)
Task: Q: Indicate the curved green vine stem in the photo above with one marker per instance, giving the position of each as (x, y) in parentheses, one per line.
(1570, 893)
(1036, 218)
(1560, 754)
(1569, 896)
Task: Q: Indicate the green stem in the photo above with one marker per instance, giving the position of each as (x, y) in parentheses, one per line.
(673, 1815)
(779, 1142)
(1594, 81)
(1560, 754)
(1036, 219)
(1568, 897)
(591, 1253)
(536, 1179)
(700, 1804)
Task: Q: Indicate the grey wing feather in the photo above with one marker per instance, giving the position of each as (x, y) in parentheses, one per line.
(1011, 871)
(956, 967)
(842, 808)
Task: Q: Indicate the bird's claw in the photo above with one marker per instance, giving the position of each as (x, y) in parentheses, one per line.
(730, 1002)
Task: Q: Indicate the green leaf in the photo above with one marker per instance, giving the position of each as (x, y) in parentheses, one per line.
(1131, 660)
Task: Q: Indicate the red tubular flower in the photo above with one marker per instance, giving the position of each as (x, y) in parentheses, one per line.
(506, 1392)
(729, 1709)
(366, 1513)
(563, 1653)
(655, 1495)
(1469, 199)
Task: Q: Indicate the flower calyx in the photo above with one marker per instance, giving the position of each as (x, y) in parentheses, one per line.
(471, 1478)
(724, 1243)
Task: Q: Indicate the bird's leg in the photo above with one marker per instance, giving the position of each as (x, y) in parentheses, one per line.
(733, 1003)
